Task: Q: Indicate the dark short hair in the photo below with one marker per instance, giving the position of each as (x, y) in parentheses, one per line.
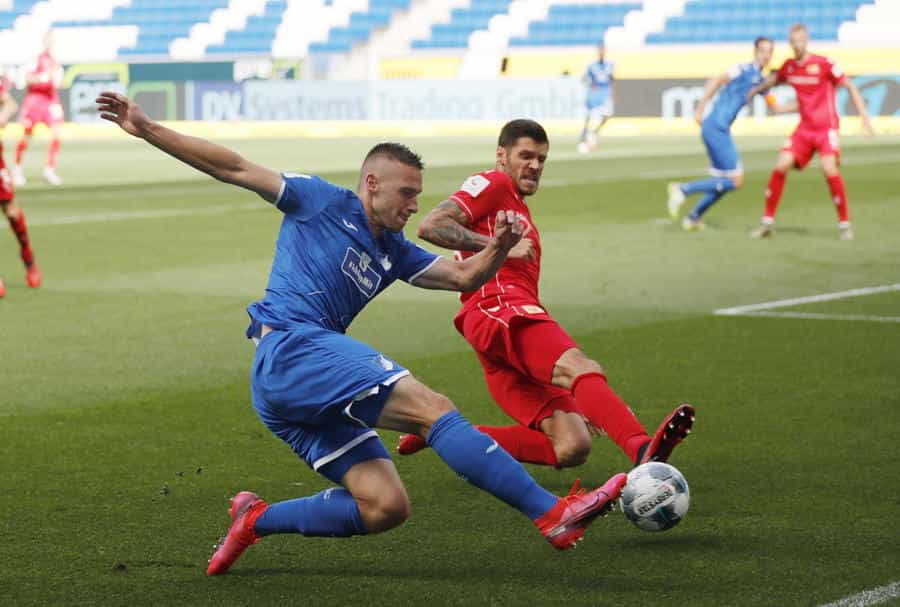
(513, 130)
(398, 152)
(762, 39)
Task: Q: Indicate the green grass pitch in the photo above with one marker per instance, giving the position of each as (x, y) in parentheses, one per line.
(125, 421)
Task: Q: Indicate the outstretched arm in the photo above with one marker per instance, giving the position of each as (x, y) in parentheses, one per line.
(445, 226)
(763, 86)
(860, 105)
(210, 158)
(471, 273)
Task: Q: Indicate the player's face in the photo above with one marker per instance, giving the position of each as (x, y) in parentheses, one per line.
(799, 39)
(601, 53)
(395, 196)
(763, 53)
(524, 162)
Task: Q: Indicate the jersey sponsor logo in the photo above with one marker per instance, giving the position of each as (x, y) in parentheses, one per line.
(475, 185)
(358, 268)
(813, 69)
(349, 225)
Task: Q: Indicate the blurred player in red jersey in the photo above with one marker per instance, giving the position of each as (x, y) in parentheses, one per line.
(815, 79)
(13, 212)
(41, 104)
(534, 369)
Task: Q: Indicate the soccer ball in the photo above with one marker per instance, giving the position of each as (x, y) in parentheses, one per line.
(583, 148)
(656, 497)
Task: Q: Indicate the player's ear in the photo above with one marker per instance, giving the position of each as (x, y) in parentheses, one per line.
(371, 181)
(501, 155)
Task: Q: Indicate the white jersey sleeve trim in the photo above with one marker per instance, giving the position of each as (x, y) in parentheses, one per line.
(413, 278)
(734, 71)
(280, 192)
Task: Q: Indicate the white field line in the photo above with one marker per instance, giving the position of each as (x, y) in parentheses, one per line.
(796, 301)
(229, 208)
(815, 316)
(149, 214)
(875, 596)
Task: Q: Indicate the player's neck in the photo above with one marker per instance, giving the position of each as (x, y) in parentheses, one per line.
(802, 58)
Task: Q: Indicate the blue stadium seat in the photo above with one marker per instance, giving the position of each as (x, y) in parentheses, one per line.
(360, 27)
(463, 21)
(574, 24)
(257, 36)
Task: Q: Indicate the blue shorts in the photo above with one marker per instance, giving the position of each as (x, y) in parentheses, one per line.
(723, 155)
(321, 392)
(599, 103)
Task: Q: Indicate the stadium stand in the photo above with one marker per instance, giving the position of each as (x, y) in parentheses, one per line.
(707, 21)
(360, 26)
(574, 24)
(258, 33)
(463, 22)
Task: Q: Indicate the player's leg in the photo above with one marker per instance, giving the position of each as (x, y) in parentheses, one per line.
(604, 409)
(54, 117)
(583, 145)
(570, 437)
(830, 160)
(16, 218)
(796, 153)
(18, 173)
(725, 164)
(414, 408)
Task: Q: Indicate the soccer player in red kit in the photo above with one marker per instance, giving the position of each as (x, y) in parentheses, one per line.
(13, 212)
(534, 369)
(41, 104)
(815, 79)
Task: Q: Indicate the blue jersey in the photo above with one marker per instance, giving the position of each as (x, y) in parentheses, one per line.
(733, 96)
(327, 264)
(599, 75)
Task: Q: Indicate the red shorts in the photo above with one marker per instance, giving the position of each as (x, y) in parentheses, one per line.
(7, 192)
(518, 346)
(40, 108)
(803, 143)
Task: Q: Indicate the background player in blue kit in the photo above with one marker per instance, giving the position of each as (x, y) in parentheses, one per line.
(323, 392)
(726, 170)
(599, 100)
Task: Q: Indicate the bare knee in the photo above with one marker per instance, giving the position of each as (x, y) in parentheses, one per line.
(572, 450)
(571, 365)
(384, 510)
(10, 210)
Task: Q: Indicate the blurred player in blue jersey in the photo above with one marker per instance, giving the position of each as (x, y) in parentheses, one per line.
(726, 170)
(323, 392)
(599, 101)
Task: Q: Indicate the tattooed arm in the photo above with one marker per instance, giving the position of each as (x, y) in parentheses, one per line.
(445, 226)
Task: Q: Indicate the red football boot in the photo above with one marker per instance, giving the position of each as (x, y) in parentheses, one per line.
(672, 431)
(33, 276)
(245, 508)
(564, 524)
(2, 288)
(410, 443)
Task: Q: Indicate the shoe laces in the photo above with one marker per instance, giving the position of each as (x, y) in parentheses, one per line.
(576, 492)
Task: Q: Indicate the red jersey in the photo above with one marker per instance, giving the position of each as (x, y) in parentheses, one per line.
(814, 79)
(47, 71)
(480, 197)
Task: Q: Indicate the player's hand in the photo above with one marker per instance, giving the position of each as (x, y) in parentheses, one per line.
(508, 230)
(525, 250)
(867, 126)
(123, 111)
(698, 115)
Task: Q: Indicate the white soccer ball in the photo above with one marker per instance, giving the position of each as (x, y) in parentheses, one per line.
(583, 148)
(656, 497)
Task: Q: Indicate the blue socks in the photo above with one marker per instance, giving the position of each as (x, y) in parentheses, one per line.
(713, 184)
(713, 188)
(706, 201)
(481, 461)
(331, 513)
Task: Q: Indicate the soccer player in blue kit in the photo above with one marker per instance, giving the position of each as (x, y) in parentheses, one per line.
(598, 78)
(726, 170)
(323, 392)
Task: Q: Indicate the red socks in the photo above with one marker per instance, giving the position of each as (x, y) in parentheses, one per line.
(607, 411)
(839, 196)
(523, 443)
(21, 231)
(773, 193)
(52, 152)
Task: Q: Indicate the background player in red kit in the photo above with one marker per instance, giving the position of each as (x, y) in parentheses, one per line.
(13, 212)
(814, 78)
(534, 369)
(41, 104)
